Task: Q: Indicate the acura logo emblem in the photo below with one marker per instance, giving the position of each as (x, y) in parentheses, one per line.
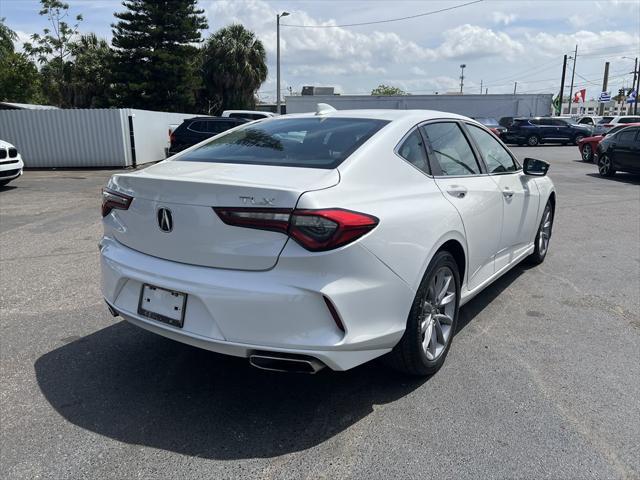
(165, 221)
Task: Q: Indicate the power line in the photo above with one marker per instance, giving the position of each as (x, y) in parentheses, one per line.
(383, 21)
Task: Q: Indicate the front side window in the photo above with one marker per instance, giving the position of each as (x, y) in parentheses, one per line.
(294, 142)
(494, 154)
(412, 150)
(628, 135)
(450, 149)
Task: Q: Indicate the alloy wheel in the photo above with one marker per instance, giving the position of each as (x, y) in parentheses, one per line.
(577, 139)
(545, 231)
(532, 141)
(586, 153)
(604, 165)
(438, 310)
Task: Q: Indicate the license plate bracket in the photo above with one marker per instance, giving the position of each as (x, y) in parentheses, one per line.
(162, 305)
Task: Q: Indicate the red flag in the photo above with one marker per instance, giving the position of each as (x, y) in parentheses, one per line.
(580, 96)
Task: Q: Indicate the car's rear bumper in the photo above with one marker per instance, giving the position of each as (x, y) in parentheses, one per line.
(280, 310)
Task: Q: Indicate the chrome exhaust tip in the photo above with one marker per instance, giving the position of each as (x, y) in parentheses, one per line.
(276, 362)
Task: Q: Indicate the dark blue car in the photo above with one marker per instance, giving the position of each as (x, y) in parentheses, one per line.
(537, 130)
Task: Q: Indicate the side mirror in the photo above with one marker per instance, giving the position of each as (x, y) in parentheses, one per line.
(533, 166)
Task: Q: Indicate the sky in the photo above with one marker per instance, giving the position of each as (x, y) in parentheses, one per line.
(500, 41)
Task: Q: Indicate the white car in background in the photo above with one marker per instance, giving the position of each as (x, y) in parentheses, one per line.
(11, 164)
(248, 114)
(607, 123)
(324, 239)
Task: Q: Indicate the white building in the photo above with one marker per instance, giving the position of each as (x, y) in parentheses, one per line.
(592, 107)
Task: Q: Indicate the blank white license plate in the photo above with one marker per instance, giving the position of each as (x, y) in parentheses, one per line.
(162, 305)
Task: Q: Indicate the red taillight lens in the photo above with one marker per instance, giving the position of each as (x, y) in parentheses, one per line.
(172, 136)
(315, 230)
(112, 199)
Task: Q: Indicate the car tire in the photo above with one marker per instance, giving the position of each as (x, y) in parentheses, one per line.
(605, 166)
(543, 237)
(432, 320)
(533, 140)
(577, 139)
(587, 153)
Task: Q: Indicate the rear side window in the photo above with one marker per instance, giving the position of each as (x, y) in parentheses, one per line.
(495, 156)
(449, 148)
(412, 150)
(604, 120)
(199, 126)
(294, 142)
(627, 136)
(629, 120)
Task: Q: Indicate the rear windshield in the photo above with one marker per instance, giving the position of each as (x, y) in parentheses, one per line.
(292, 142)
(605, 120)
(519, 123)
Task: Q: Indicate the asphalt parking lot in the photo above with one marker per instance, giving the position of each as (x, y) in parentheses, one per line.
(542, 380)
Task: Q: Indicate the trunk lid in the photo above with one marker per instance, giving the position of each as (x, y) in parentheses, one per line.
(189, 190)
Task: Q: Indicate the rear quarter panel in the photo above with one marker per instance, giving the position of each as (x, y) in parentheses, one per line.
(415, 218)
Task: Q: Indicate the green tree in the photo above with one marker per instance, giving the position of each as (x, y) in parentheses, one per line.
(233, 68)
(89, 76)
(19, 77)
(383, 89)
(154, 62)
(53, 49)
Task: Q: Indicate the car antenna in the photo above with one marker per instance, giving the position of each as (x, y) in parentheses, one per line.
(322, 108)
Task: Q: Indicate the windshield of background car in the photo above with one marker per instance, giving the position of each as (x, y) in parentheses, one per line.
(292, 142)
(488, 122)
(605, 120)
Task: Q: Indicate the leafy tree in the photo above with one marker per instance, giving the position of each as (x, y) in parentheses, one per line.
(233, 68)
(90, 72)
(7, 37)
(19, 78)
(53, 49)
(154, 62)
(383, 89)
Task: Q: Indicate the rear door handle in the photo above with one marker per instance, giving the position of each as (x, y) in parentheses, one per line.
(457, 191)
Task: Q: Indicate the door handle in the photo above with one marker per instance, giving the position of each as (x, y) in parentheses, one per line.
(507, 192)
(457, 191)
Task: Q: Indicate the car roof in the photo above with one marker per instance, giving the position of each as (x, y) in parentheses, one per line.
(383, 114)
(222, 119)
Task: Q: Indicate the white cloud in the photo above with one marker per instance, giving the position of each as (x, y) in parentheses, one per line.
(503, 18)
(587, 41)
(472, 41)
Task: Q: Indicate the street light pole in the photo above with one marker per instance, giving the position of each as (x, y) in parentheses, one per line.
(573, 74)
(278, 15)
(462, 67)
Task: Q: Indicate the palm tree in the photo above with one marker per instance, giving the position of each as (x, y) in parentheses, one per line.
(233, 63)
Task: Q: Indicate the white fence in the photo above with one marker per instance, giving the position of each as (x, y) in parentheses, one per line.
(491, 106)
(88, 137)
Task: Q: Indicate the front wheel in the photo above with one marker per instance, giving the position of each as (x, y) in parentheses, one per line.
(587, 153)
(605, 166)
(577, 139)
(432, 320)
(543, 236)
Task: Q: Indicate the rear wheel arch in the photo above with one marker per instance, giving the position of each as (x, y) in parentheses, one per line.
(456, 249)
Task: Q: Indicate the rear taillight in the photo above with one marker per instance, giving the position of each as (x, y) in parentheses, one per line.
(172, 137)
(315, 230)
(112, 199)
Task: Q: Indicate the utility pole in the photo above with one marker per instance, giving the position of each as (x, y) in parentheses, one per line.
(515, 87)
(278, 15)
(575, 57)
(462, 67)
(605, 80)
(480, 87)
(564, 71)
(636, 87)
(486, 91)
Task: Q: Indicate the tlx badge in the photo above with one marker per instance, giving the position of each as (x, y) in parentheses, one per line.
(253, 201)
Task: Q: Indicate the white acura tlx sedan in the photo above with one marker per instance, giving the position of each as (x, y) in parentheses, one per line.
(324, 239)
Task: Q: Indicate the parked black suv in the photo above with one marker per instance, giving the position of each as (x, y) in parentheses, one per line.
(537, 130)
(196, 129)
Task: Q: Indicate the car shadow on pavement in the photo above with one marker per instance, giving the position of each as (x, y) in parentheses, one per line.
(139, 388)
(632, 178)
